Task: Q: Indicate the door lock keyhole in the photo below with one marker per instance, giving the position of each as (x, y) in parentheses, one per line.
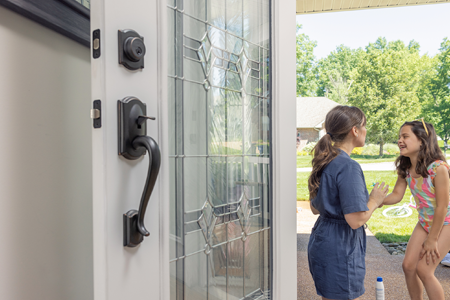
(134, 48)
(131, 49)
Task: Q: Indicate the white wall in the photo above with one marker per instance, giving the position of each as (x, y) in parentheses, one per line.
(45, 164)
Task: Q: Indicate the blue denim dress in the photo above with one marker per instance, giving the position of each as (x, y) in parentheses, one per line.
(336, 252)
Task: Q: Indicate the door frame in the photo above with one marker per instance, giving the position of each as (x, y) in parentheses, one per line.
(284, 175)
(163, 113)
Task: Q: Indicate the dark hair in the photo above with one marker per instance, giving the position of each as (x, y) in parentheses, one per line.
(429, 150)
(338, 123)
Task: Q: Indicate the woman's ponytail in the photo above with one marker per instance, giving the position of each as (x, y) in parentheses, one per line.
(324, 152)
(338, 123)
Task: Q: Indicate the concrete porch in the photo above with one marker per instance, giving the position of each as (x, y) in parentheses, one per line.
(378, 263)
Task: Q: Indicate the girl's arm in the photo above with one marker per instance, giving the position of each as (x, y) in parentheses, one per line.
(397, 194)
(442, 185)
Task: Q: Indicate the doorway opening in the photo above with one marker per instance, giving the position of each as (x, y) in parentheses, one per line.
(383, 61)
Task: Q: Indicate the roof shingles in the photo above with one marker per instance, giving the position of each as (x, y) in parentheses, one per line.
(311, 111)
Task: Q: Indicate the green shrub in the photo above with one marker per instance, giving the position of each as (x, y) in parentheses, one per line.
(309, 147)
(391, 149)
(374, 149)
(371, 149)
(302, 153)
(357, 150)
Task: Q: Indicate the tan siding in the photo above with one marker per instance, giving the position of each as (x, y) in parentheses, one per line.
(365, 3)
(309, 5)
(327, 4)
(345, 4)
(300, 6)
(354, 4)
(337, 4)
(317, 6)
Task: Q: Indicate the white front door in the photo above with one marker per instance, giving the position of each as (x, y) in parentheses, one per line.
(122, 272)
(212, 215)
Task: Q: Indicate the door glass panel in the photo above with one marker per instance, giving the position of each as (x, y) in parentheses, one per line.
(220, 155)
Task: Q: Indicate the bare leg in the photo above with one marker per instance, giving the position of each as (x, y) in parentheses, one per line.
(426, 272)
(413, 282)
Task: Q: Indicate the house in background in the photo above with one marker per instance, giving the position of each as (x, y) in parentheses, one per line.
(311, 113)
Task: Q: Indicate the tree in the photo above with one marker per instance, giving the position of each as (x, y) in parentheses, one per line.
(334, 73)
(385, 86)
(436, 106)
(306, 66)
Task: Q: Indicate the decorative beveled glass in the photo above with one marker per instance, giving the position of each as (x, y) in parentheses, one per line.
(220, 161)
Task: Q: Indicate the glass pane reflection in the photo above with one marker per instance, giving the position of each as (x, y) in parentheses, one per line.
(219, 100)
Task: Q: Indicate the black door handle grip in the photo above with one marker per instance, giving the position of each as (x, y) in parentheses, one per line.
(154, 156)
(133, 143)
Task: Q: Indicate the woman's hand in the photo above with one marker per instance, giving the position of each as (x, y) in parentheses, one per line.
(379, 192)
(430, 249)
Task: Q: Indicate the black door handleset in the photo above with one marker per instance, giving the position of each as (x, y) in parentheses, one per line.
(133, 143)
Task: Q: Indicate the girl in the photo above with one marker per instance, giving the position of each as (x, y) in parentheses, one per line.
(337, 245)
(422, 166)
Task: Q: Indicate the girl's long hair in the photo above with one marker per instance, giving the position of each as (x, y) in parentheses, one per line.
(338, 123)
(429, 150)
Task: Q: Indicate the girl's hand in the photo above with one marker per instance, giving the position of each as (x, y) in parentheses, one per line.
(379, 192)
(430, 249)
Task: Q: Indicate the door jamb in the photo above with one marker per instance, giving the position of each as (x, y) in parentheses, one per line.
(163, 115)
(284, 241)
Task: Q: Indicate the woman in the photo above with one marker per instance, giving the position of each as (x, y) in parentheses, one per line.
(337, 188)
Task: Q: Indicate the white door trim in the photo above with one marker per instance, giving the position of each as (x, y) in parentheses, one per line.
(163, 115)
(284, 151)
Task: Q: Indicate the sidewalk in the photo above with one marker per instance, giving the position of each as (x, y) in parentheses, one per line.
(378, 263)
(384, 166)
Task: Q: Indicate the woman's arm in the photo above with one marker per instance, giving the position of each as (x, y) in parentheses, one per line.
(442, 186)
(313, 209)
(397, 194)
(358, 219)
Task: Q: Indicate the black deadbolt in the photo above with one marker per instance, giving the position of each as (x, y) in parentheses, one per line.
(134, 48)
(131, 49)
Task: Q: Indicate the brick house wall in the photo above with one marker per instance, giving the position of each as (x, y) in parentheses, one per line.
(306, 135)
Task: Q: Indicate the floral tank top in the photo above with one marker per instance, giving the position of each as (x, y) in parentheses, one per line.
(424, 194)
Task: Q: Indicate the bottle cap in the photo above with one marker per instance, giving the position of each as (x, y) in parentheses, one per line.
(380, 279)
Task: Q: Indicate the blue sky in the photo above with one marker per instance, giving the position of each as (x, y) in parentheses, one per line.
(427, 24)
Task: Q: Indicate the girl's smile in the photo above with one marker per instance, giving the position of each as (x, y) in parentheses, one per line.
(408, 143)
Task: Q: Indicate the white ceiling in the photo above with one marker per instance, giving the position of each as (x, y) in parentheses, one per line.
(320, 6)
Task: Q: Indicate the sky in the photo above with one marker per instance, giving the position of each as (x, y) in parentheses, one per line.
(426, 24)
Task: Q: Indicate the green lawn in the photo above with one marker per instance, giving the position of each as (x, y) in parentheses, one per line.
(305, 161)
(366, 159)
(389, 229)
(384, 229)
